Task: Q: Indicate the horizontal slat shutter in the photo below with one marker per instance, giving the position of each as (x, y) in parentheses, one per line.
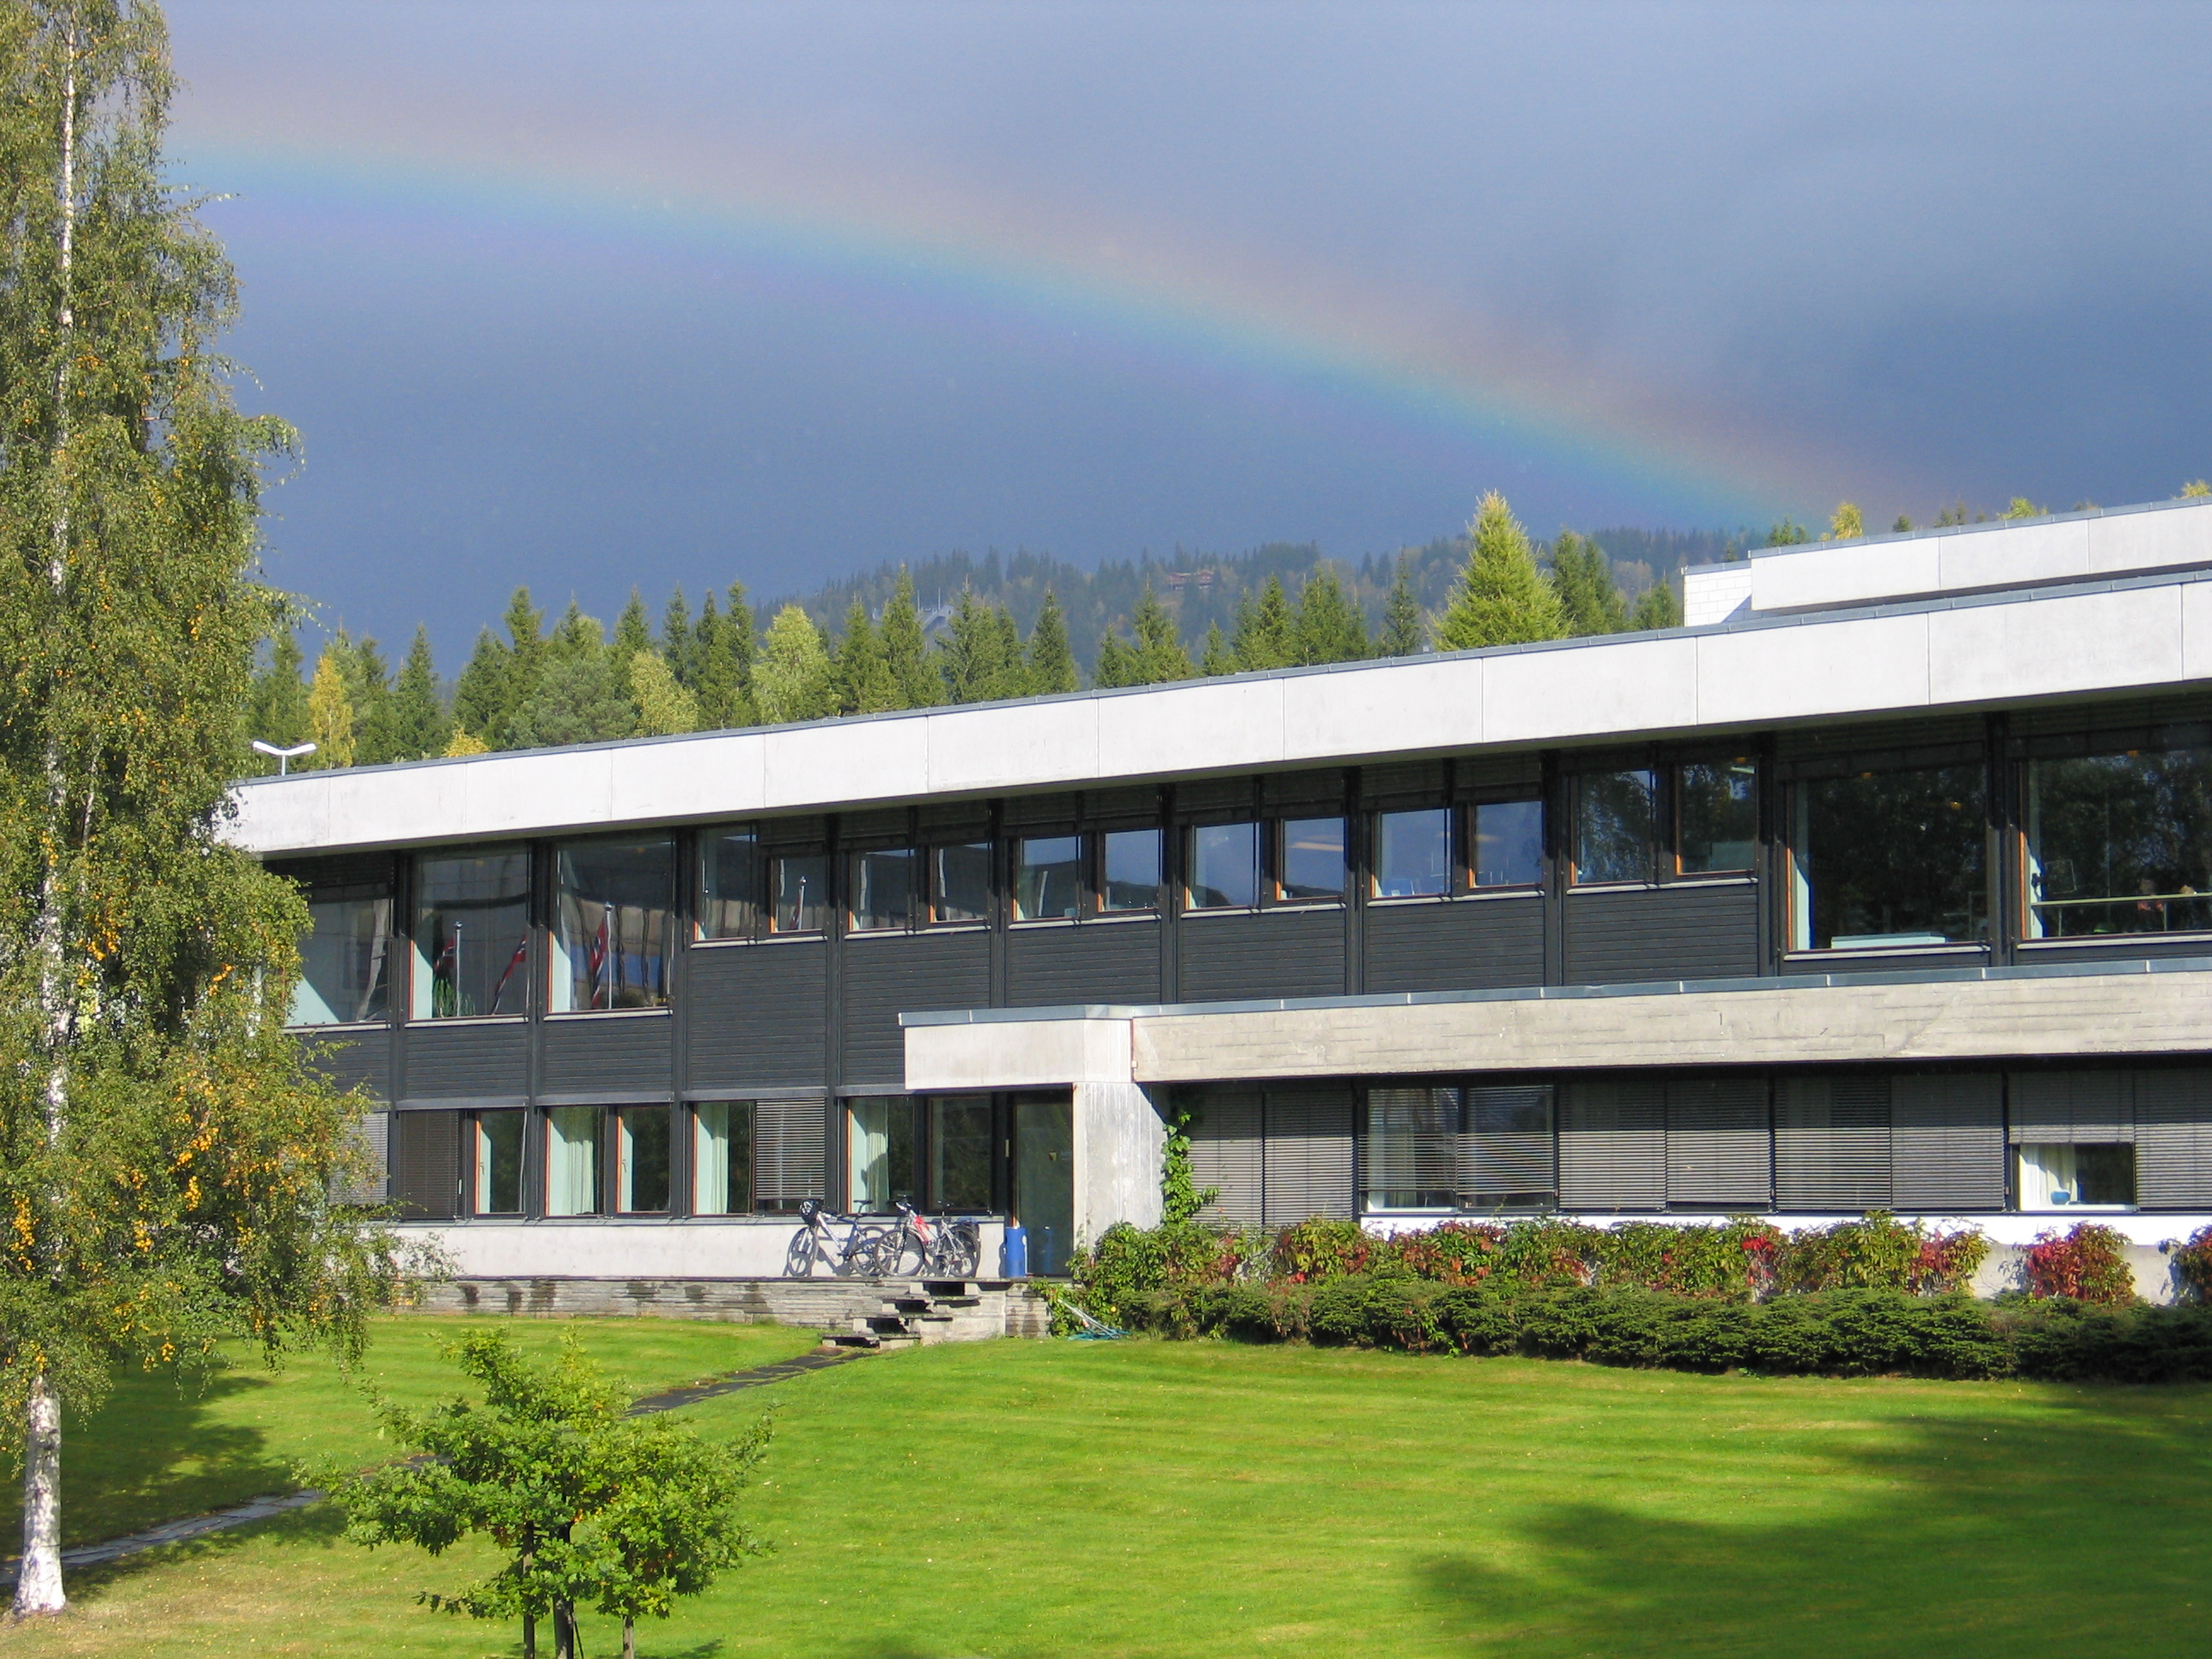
(1307, 1169)
(1225, 1153)
(2173, 1139)
(1612, 1144)
(1413, 1147)
(426, 1165)
(1719, 1144)
(790, 1152)
(372, 1181)
(1831, 1143)
(1506, 1151)
(2072, 1106)
(1946, 1140)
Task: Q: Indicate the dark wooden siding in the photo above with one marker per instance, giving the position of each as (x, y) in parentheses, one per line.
(471, 1059)
(1095, 962)
(604, 1054)
(757, 1016)
(1888, 962)
(1696, 930)
(1285, 953)
(355, 1057)
(426, 1164)
(886, 977)
(1473, 945)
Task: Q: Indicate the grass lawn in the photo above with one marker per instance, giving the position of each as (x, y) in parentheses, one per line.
(1145, 1497)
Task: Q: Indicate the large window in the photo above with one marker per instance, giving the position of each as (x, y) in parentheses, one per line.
(2056, 1175)
(1487, 1149)
(1412, 853)
(880, 1133)
(798, 892)
(614, 906)
(1507, 843)
(1716, 815)
(1131, 869)
(722, 1158)
(2119, 843)
(642, 1165)
(1893, 858)
(1048, 877)
(345, 962)
(960, 1154)
(960, 882)
(1613, 815)
(498, 1154)
(729, 884)
(471, 935)
(883, 889)
(1224, 866)
(573, 1134)
(1412, 1159)
(1312, 861)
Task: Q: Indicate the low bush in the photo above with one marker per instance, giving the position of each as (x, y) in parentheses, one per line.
(2086, 1264)
(2192, 1265)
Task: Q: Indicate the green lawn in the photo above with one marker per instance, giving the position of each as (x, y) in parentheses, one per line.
(1142, 1497)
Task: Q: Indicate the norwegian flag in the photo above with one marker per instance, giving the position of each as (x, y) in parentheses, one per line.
(521, 953)
(599, 963)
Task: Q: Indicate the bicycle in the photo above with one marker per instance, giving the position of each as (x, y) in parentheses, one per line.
(862, 1253)
(949, 1247)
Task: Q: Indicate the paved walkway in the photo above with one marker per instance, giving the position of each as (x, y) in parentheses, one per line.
(260, 1509)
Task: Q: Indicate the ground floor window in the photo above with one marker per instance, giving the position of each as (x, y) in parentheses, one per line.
(880, 1137)
(498, 1152)
(1488, 1148)
(722, 1158)
(2062, 1174)
(572, 1159)
(641, 1178)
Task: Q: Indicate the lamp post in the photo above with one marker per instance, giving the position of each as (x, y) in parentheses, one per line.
(284, 757)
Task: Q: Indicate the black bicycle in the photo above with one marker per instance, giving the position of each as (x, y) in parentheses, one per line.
(865, 1251)
(941, 1247)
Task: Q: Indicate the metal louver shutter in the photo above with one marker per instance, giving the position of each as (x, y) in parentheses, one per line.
(1612, 1144)
(1507, 1155)
(790, 1152)
(426, 1165)
(2173, 1139)
(373, 1180)
(1720, 1144)
(1307, 1162)
(1946, 1140)
(2071, 1106)
(1831, 1143)
(1225, 1151)
(1413, 1148)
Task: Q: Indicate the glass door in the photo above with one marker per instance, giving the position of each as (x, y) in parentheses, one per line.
(1044, 1177)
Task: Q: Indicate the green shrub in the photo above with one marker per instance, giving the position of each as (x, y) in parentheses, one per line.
(1322, 1248)
(2086, 1264)
(2192, 1265)
(2062, 1340)
(1130, 1262)
(1878, 1252)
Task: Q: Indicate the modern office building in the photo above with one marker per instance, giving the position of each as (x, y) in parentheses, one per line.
(1886, 884)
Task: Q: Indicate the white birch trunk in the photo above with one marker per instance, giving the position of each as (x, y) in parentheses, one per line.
(39, 1585)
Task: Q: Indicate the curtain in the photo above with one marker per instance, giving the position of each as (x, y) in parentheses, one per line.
(711, 1163)
(571, 1160)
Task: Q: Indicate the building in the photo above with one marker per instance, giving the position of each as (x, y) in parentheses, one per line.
(1887, 884)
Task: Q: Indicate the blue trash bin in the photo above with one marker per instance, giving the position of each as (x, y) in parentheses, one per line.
(1016, 1251)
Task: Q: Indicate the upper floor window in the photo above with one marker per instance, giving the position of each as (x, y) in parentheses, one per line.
(345, 960)
(798, 892)
(960, 882)
(1888, 858)
(1311, 859)
(2119, 843)
(1413, 853)
(1695, 817)
(881, 884)
(1716, 815)
(1614, 815)
(1130, 870)
(1049, 880)
(729, 883)
(1224, 866)
(1507, 841)
(614, 905)
(471, 935)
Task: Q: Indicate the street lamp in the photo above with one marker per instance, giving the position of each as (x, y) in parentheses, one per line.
(284, 757)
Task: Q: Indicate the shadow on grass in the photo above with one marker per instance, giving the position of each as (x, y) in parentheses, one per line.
(1990, 1534)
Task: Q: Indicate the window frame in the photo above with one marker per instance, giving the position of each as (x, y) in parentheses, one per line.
(933, 893)
(1164, 883)
(915, 905)
(1274, 860)
(557, 953)
(1086, 863)
(422, 964)
(1189, 830)
(1796, 886)
(1662, 855)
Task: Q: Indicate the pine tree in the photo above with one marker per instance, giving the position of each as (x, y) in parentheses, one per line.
(1051, 662)
(1330, 628)
(169, 1154)
(368, 685)
(1501, 598)
(972, 655)
(480, 704)
(865, 686)
(582, 696)
(1160, 655)
(329, 709)
(664, 707)
(907, 653)
(793, 679)
(277, 699)
(1216, 658)
(1403, 633)
(1582, 578)
(633, 633)
(1657, 606)
(420, 725)
(738, 651)
(676, 638)
(1267, 633)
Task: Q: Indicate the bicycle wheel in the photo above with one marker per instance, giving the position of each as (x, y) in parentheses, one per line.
(962, 1246)
(798, 1260)
(864, 1254)
(904, 1255)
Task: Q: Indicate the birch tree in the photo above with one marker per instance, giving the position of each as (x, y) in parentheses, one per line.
(167, 1156)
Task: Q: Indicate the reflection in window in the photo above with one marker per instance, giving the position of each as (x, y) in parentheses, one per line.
(1048, 877)
(1509, 844)
(722, 1158)
(798, 893)
(471, 935)
(2119, 843)
(1132, 875)
(2058, 1175)
(345, 969)
(960, 882)
(879, 1152)
(960, 1154)
(1508, 1159)
(1224, 866)
(1612, 826)
(1888, 858)
(642, 1154)
(1717, 814)
(883, 889)
(614, 905)
(1412, 853)
(571, 1160)
(499, 1163)
(729, 884)
(1411, 1160)
(1313, 859)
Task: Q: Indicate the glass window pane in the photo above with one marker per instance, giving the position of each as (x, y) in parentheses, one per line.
(1132, 869)
(1889, 858)
(1612, 826)
(1717, 814)
(1224, 866)
(722, 1158)
(1048, 877)
(960, 1154)
(345, 960)
(2119, 844)
(798, 893)
(499, 1163)
(1412, 1148)
(729, 884)
(1044, 1177)
(1507, 1158)
(1313, 859)
(960, 880)
(641, 1186)
(2056, 1175)
(1412, 853)
(614, 904)
(879, 1152)
(571, 1160)
(1509, 844)
(883, 889)
(471, 935)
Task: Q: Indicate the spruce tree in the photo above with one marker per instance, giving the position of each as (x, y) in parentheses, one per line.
(676, 638)
(329, 709)
(1267, 633)
(369, 683)
(793, 679)
(1403, 632)
(1117, 663)
(1501, 598)
(864, 677)
(1160, 655)
(420, 725)
(167, 1156)
(277, 699)
(1329, 626)
(1657, 606)
(972, 655)
(480, 705)
(1581, 575)
(576, 636)
(739, 652)
(1051, 662)
(907, 653)
(1216, 658)
(713, 672)
(633, 633)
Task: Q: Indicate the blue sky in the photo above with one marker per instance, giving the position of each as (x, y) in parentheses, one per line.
(591, 296)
